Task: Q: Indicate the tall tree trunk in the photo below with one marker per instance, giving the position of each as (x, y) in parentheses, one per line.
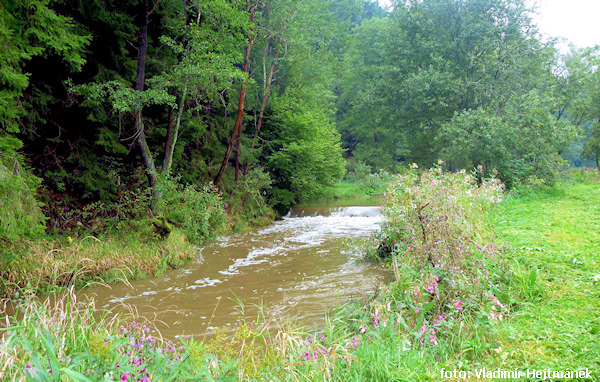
(175, 122)
(238, 150)
(262, 108)
(139, 86)
(240, 114)
(172, 135)
(170, 128)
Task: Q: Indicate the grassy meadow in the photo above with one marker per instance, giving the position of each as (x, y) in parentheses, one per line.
(555, 234)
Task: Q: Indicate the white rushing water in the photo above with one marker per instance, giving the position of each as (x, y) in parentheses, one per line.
(297, 268)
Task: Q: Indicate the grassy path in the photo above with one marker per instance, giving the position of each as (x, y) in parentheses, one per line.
(557, 233)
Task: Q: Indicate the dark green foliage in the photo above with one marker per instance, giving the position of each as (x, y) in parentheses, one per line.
(28, 29)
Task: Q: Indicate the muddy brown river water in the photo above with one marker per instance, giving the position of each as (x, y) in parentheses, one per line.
(296, 269)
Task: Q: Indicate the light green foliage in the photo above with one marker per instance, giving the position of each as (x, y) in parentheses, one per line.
(581, 96)
(199, 212)
(411, 80)
(20, 214)
(364, 120)
(522, 141)
(592, 146)
(208, 49)
(307, 156)
(121, 97)
(371, 183)
(555, 238)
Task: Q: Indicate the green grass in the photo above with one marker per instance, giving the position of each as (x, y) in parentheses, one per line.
(551, 321)
(353, 192)
(54, 263)
(557, 232)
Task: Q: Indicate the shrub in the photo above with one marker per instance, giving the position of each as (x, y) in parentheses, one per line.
(200, 212)
(245, 199)
(20, 213)
(434, 232)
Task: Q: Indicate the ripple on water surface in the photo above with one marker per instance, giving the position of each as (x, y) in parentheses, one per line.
(296, 268)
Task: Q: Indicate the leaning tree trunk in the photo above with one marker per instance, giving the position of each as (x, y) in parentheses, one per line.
(262, 108)
(139, 86)
(237, 130)
(173, 135)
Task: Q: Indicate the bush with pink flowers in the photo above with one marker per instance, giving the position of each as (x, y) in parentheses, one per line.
(447, 269)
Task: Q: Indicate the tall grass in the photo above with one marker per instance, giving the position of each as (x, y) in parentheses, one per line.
(50, 266)
(534, 305)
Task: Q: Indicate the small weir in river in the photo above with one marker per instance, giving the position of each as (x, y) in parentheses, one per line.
(296, 269)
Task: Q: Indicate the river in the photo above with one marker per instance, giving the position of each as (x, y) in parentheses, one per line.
(295, 269)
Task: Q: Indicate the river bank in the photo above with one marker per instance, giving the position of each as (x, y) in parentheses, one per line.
(296, 268)
(548, 238)
(129, 246)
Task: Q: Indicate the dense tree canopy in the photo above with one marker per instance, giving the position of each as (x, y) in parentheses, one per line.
(468, 82)
(101, 98)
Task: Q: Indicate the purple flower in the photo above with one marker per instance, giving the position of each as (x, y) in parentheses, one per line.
(433, 340)
(30, 369)
(458, 304)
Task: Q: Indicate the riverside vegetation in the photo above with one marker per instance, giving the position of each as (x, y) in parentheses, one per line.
(133, 131)
(480, 282)
(122, 122)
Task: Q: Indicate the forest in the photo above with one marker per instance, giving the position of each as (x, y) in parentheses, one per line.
(134, 131)
(110, 105)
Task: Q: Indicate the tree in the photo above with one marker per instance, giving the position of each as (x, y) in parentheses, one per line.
(580, 104)
(28, 29)
(305, 152)
(435, 68)
(522, 142)
(237, 130)
(203, 46)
